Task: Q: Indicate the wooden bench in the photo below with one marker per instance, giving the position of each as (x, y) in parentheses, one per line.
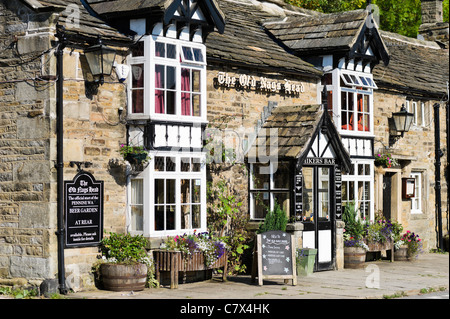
(175, 261)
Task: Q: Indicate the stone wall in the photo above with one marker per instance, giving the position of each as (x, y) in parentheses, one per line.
(416, 153)
(92, 133)
(27, 217)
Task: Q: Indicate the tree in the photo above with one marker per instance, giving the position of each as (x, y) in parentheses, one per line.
(399, 16)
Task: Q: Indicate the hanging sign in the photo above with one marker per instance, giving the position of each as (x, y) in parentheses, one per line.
(338, 192)
(83, 198)
(275, 257)
(298, 196)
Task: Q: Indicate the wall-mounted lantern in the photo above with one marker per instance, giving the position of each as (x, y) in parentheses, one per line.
(401, 123)
(101, 60)
(402, 120)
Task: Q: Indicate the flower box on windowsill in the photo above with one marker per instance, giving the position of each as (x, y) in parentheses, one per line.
(175, 261)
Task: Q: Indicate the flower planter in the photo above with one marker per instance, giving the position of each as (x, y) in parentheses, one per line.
(354, 257)
(124, 277)
(305, 262)
(175, 261)
(377, 246)
(136, 159)
(401, 254)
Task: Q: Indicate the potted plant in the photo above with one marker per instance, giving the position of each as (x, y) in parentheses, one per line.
(276, 219)
(385, 160)
(379, 234)
(124, 263)
(354, 246)
(134, 154)
(306, 258)
(412, 245)
(190, 252)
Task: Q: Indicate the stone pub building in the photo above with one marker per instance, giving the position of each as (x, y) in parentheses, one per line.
(304, 100)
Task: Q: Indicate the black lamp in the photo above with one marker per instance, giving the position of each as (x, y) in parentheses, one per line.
(100, 59)
(402, 120)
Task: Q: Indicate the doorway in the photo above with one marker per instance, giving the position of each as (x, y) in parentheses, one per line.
(318, 216)
(387, 195)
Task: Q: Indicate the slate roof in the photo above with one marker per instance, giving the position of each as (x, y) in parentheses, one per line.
(416, 66)
(330, 32)
(87, 27)
(246, 43)
(297, 126)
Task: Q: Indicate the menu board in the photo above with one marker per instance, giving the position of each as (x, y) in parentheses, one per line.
(83, 210)
(275, 256)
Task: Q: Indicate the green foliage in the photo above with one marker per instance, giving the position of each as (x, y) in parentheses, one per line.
(124, 248)
(353, 226)
(275, 220)
(399, 16)
(19, 293)
(227, 222)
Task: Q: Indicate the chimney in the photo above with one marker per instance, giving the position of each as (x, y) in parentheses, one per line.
(433, 28)
(431, 11)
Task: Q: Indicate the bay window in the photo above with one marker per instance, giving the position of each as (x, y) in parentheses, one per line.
(168, 80)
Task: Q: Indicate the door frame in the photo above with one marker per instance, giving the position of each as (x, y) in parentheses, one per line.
(315, 226)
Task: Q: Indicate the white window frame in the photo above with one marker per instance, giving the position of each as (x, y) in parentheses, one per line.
(355, 89)
(416, 201)
(149, 59)
(149, 175)
(356, 178)
(271, 190)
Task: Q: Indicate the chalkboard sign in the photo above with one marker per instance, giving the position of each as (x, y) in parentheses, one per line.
(83, 210)
(275, 257)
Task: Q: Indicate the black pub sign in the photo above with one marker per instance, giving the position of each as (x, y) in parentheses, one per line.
(83, 198)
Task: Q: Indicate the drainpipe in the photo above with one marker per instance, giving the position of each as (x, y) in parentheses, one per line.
(437, 173)
(60, 233)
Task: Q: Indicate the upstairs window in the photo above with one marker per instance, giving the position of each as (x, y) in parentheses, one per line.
(168, 79)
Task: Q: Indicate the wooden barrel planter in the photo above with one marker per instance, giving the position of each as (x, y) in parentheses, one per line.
(175, 262)
(401, 254)
(354, 257)
(124, 277)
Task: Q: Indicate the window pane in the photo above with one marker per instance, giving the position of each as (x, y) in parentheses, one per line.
(185, 216)
(185, 191)
(137, 72)
(308, 202)
(171, 51)
(159, 102)
(137, 97)
(260, 204)
(171, 78)
(159, 76)
(260, 181)
(196, 105)
(171, 102)
(187, 52)
(137, 200)
(283, 200)
(281, 176)
(160, 50)
(159, 217)
(196, 190)
(195, 81)
(159, 191)
(196, 164)
(196, 219)
(170, 191)
(170, 164)
(198, 55)
(185, 164)
(159, 164)
(170, 217)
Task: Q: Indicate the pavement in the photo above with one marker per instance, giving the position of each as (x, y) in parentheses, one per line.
(377, 280)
